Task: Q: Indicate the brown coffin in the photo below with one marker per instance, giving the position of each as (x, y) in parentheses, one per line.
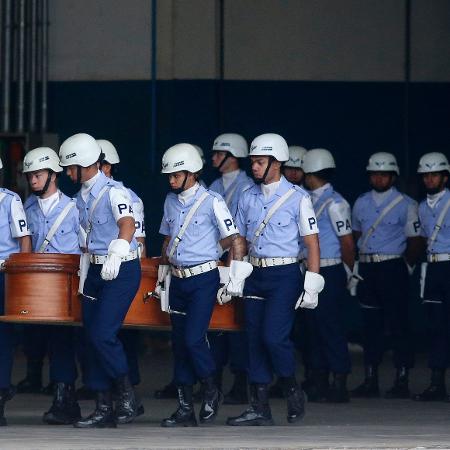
(41, 288)
(146, 312)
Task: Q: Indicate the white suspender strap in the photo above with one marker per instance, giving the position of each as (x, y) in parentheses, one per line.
(324, 205)
(230, 193)
(55, 226)
(271, 212)
(371, 230)
(439, 222)
(186, 223)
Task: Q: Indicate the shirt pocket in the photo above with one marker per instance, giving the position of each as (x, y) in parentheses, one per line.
(199, 222)
(100, 219)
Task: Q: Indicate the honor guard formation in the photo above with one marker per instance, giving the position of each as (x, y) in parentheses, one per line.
(281, 247)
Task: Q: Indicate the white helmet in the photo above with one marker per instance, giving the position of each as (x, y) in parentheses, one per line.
(296, 154)
(110, 152)
(383, 162)
(80, 149)
(270, 144)
(433, 162)
(41, 158)
(181, 157)
(200, 152)
(233, 143)
(317, 159)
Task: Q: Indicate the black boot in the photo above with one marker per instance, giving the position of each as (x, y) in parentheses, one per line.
(318, 385)
(259, 411)
(436, 390)
(103, 415)
(295, 400)
(5, 395)
(238, 393)
(168, 391)
(369, 388)
(400, 389)
(276, 390)
(184, 416)
(65, 408)
(338, 392)
(32, 383)
(212, 398)
(126, 405)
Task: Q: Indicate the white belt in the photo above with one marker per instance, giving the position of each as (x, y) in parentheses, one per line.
(438, 257)
(326, 262)
(270, 262)
(186, 272)
(100, 259)
(375, 258)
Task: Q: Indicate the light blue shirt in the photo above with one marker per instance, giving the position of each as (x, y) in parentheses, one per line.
(210, 223)
(232, 194)
(334, 221)
(282, 235)
(428, 218)
(65, 239)
(390, 236)
(104, 224)
(13, 223)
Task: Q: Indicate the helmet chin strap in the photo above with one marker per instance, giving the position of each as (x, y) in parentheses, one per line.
(263, 178)
(228, 154)
(78, 174)
(181, 188)
(46, 185)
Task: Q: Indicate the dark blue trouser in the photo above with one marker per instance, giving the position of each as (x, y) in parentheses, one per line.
(196, 297)
(58, 342)
(130, 343)
(269, 322)
(383, 296)
(232, 347)
(328, 345)
(6, 341)
(102, 319)
(437, 304)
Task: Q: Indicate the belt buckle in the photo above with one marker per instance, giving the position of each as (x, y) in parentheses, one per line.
(190, 271)
(434, 257)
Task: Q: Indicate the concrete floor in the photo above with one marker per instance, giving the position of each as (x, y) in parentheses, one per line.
(360, 424)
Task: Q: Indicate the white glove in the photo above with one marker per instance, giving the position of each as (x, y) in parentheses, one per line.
(313, 285)
(353, 278)
(118, 249)
(222, 296)
(84, 268)
(410, 268)
(163, 270)
(239, 271)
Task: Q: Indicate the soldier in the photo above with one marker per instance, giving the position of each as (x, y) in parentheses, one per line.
(386, 228)
(227, 152)
(195, 221)
(14, 238)
(110, 274)
(54, 225)
(328, 350)
(435, 228)
(272, 216)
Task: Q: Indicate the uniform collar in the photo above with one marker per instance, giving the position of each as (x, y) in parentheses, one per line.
(316, 194)
(381, 197)
(101, 180)
(283, 187)
(433, 200)
(187, 196)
